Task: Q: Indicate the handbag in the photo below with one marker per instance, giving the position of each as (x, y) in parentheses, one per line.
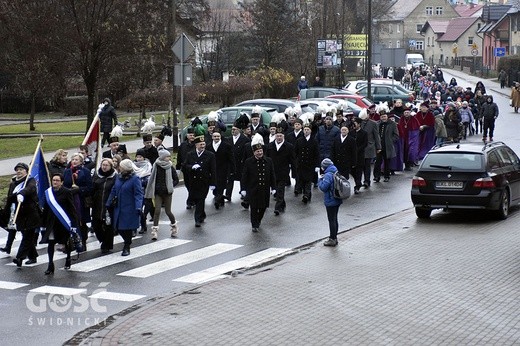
(75, 242)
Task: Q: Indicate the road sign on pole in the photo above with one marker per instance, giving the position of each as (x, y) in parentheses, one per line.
(183, 48)
(499, 51)
(183, 75)
(474, 52)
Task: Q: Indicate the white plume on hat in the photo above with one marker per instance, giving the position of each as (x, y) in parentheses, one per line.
(278, 118)
(117, 131)
(290, 111)
(342, 104)
(332, 109)
(298, 109)
(307, 118)
(382, 106)
(321, 108)
(363, 114)
(257, 110)
(257, 139)
(213, 116)
(148, 126)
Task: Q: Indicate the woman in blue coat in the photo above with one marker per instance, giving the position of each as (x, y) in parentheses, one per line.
(326, 184)
(126, 201)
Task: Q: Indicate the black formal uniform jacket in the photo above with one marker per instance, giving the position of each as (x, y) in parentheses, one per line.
(224, 160)
(151, 153)
(292, 138)
(258, 178)
(202, 178)
(307, 157)
(29, 213)
(283, 160)
(344, 155)
(361, 143)
(64, 198)
(241, 151)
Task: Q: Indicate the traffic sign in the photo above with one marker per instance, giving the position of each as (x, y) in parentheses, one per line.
(183, 75)
(474, 52)
(474, 46)
(499, 51)
(183, 48)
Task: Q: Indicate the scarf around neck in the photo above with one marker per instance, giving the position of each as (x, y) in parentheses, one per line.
(150, 188)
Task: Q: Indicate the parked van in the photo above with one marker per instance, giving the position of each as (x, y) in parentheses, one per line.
(414, 60)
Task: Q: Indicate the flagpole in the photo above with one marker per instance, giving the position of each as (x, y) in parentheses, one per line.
(38, 147)
(91, 128)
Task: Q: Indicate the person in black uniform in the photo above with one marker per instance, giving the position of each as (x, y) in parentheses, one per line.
(258, 179)
(307, 161)
(108, 119)
(150, 151)
(201, 169)
(344, 153)
(291, 137)
(225, 165)
(361, 143)
(185, 147)
(256, 125)
(241, 151)
(282, 154)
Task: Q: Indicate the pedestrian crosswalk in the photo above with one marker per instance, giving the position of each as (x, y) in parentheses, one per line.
(147, 265)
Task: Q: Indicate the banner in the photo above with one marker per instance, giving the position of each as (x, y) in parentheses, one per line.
(92, 138)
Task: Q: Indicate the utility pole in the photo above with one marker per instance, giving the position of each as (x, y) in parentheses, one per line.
(369, 50)
(173, 105)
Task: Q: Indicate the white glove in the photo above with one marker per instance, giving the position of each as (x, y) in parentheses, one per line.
(317, 169)
(242, 193)
(19, 198)
(43, 229)
(195, 166)
(273, 192)
(212, 187)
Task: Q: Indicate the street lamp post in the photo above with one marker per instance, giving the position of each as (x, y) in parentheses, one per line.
(369, 51)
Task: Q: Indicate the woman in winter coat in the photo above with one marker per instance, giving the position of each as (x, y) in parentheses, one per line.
(160, 187)
(102, 183)
(326, 184)
(143, 169)
(78, 179)
(515, 96)
(54, 231)
(126, 201)
(440, 128)
(452, 123)
(58, 163)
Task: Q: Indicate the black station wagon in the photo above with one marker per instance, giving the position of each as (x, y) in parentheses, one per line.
(467, 176)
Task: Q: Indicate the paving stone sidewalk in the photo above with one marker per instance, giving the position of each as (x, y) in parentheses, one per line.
(396, 281)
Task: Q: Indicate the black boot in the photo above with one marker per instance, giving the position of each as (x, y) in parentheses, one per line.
(9, 243)
(67, 263)
(50, 269)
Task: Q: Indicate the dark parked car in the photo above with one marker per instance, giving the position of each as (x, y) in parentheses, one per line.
(467, 176)
(387, 93)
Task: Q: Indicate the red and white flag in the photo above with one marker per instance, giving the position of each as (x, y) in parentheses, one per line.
(92, 138)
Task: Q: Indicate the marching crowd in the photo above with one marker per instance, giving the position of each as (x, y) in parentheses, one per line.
(117, 196)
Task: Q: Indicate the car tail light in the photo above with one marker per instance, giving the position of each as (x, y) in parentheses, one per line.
(484, 183)
(418, 182)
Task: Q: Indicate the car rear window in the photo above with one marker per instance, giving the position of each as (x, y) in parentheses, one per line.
(455, 161)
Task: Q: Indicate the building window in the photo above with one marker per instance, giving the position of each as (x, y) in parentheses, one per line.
(428, 41)
(419, 45)
(479, 25)
(429, 10)
(398, 28)
(439, 11)
(418, 27)
(389, 44)
(391, 28)
(397, 44)
(470, 41)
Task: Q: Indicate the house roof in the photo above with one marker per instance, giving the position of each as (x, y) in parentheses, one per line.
(400, 10)
(468, 10)
(438, 26)
(456, 28)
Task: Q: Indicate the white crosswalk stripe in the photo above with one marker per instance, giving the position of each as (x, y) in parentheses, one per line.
(180, 260)
(216, 272)
(107, 260)
(122, 297)
(7, 285)
(43, 259)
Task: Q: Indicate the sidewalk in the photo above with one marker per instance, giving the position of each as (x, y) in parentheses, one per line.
(465, 80)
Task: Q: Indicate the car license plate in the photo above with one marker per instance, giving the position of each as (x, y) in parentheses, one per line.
(449, 184)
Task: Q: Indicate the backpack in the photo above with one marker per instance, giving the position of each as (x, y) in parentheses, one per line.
(341, 188)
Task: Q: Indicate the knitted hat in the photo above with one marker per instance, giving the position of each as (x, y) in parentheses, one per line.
(140, 152)
(163, 154)
(126, 165)
(326, 163)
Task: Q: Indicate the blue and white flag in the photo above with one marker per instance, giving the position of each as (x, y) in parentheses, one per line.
(39, 172)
